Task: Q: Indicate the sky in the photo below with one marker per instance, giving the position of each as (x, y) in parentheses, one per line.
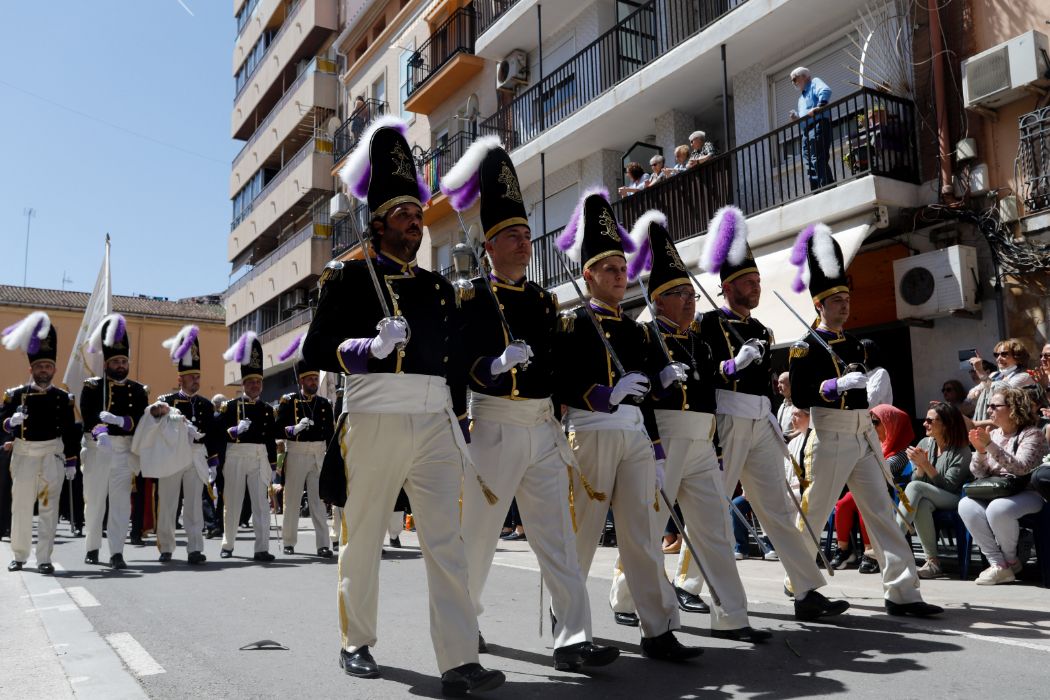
(115, 117)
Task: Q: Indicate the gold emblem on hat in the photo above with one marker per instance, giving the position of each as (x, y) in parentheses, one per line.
(195, 354)
(507, 178)
(676, 260)
(402, 163)
(608, 225)
(256, 359)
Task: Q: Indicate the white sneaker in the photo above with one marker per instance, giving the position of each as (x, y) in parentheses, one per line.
(1016, 567)
(739, 555)
(994, 575)
(930, 569)
(771, 556)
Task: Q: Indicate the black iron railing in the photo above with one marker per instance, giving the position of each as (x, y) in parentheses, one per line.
(455, 36)
(488, 11)
(345, 230)
(1034, 159)
(869, 133)
(437, 161)
(350, 131)
(646, 34)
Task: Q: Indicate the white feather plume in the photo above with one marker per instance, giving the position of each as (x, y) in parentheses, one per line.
(360, 157)
(109, 323)
(173, 343)
(823, 246)
(240, 350)
(713, 241)
(469, 164)
(21, 334)
(640, 230)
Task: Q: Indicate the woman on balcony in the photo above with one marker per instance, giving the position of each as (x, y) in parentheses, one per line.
(635, 180)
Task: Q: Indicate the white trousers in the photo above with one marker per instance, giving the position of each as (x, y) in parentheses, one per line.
(620, 463)
(842, 455)
(188, 481)
(750, 455)
(302, 467)
(37, 472)
(246, 467)
(107, 473)
(335, 530)
(691, 477)
(384, 452)
(521, 452)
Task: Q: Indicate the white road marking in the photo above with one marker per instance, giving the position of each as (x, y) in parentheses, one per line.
(134, 654)
(82, 597)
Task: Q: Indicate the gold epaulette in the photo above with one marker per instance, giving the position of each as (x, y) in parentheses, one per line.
(567, 321)
(799, 349)
(333, 270)
(463, 294)
(222, 409)
(286, 397)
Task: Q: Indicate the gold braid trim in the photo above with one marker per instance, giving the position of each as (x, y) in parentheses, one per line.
(591, 493)
(572, 498)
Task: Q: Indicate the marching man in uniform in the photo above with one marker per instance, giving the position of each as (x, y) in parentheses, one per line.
(685, 415)
(307, 422)
(404, 403)
(845, 446)
(516, 442)
(111, 407)
(185, 352)
(251, 450)
(618, 448)
(747, 429)
(41, 417)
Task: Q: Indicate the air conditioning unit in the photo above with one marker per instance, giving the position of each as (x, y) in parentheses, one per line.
(1000, 75)
(338, 207)
(513, 70)
(936, 284)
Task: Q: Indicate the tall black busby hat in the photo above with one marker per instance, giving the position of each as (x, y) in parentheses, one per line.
(486, 171)
(725, 246)
(657, 253)
(35, 336)
(380, 170)
(185, 350)
(593, 233)
(820, 263)
(111, 337)
(247, 352)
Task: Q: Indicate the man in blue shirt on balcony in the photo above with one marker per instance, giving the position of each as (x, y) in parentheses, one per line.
(816, 137)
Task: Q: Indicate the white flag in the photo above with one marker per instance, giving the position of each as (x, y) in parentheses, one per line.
(83, 364)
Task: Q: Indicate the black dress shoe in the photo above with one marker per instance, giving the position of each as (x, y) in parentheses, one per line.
(667, 648)
(395, 542)
(868, 565)
(79, 532)
(483, 648)
(137, 541)
(919, 609)
(117, 561)
(572, 657)
(359, 663)
(469, 678)
(324, 553)
(15, 566)
(815, 605)
(46, 568)
(626, 619)
(690, 602)
(289, 550)
(225, 553)
(197, 558)
(263, 556)
(164, 556)
(213, 533)
(742, 634)
(91, 557)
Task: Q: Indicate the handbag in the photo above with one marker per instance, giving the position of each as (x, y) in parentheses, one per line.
(991, 487)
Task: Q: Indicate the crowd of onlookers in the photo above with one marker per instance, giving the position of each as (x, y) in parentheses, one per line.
(686, 157)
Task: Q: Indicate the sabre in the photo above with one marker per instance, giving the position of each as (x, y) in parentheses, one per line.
(689, 545)
(72, 529)
(366, 248)
(750, 528)
(867, 436)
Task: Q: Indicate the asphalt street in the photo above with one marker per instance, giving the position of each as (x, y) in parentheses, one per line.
(172, 631)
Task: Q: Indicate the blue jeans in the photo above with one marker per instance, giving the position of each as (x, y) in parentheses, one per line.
(816, 153)
(740, 531)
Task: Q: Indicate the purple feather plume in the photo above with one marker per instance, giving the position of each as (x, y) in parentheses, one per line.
(34, 340)
(641, 262)
(10, 329)
(722, 234)
(567, 238)
(187, 343)
(122, 330)
(360, 188)
(799, 257)
(464, 196)
(424, 189)
(292, 349)
(625, 239)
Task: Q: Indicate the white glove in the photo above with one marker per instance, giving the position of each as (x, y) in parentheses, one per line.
(674, 372)
(17, 419)
(302, 425)
(631, 384)
(514, 355)
(243, 425)
(71, 473)
(391, 332)
(660, 474)
(749, 352)
(112, 419)
(103, 441)
(213, 474)
(851, 380)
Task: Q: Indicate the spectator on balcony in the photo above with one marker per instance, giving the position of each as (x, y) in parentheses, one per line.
(816, 129)
(660, 173)
(635, 180)
(702, 149)
(358, 117)
(681, 160)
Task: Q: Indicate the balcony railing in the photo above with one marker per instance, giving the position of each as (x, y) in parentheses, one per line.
(643, 36)
(455, 35)
(436, 163)
(317, 65)
(288, 325)
(314, 145)
(307, 232)
(288, 21)
(349, 132)
(1034, 158)
(870, 133)
(345, 230)
(488, 11)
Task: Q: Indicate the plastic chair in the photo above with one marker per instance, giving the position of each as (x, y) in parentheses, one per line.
(950, 520)
(1039, 524)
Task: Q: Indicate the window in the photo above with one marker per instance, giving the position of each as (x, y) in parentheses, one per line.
(406, 81)
(379, 89)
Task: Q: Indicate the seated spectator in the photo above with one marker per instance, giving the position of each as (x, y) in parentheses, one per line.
(954, 394)
(659, 173)
(1040, 408)
(879, 388)
(1011, 360)
(1015, 446)
(702, 149)
(895, 435)
(635, 180)
(1041, 374)
(941, 464)
(681, 157)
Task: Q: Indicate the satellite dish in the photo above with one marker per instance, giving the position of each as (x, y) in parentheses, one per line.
(331, 125)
